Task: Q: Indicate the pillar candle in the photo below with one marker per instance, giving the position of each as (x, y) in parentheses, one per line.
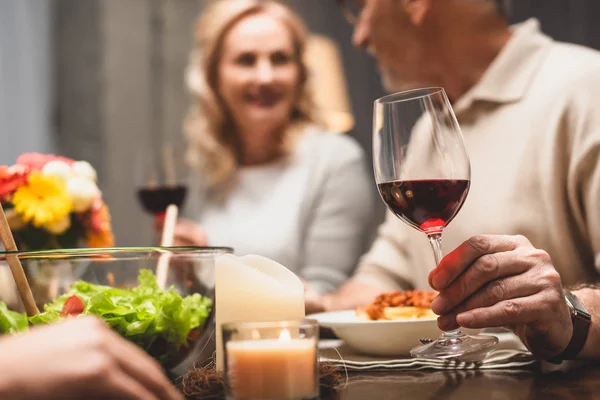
(254, 288)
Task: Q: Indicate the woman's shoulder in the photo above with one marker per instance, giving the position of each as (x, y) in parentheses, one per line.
(338, 147)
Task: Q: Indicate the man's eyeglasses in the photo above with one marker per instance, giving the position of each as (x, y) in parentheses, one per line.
(351, 9)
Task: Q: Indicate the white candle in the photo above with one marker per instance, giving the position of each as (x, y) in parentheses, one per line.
(254, 288)
(282, 368)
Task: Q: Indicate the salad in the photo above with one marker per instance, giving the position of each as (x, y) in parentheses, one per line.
(159, 321)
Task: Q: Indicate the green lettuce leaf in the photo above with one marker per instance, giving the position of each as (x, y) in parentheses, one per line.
(143, 314)
(11, 321)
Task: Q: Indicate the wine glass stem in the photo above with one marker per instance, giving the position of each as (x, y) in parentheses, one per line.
(435, 239)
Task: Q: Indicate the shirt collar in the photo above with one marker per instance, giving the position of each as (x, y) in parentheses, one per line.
(507, 78)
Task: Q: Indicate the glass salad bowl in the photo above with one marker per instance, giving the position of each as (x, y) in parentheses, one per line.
(175, 325)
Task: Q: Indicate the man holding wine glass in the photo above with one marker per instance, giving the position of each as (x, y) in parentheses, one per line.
(530, 226)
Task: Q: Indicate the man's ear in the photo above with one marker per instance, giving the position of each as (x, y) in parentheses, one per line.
(416, 10)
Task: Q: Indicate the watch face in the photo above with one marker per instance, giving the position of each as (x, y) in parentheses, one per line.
(577, 307)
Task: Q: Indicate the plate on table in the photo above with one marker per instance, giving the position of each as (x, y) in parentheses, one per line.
(380, 337)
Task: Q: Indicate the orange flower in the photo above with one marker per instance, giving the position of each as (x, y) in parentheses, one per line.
(10, 179)
(101, 239)
(100, 227)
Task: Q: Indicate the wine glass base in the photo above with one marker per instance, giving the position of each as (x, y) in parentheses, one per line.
(461, 346)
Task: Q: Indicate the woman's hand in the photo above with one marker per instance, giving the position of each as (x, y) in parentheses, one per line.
(189, 233)
(76, 359)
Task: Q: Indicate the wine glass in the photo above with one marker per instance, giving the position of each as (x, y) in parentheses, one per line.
(161, 181)
(423, 173)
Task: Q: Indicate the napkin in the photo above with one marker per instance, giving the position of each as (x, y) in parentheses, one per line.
(508, 354)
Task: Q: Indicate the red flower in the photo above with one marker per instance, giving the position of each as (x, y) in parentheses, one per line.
(36, 161)
(10, 179)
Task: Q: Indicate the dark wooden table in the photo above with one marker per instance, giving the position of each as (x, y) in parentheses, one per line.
(581, 382)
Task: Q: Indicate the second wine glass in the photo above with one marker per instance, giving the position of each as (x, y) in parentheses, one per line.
(423, 174)
(161, 181)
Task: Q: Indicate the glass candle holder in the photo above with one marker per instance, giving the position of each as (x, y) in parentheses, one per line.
(271, 360)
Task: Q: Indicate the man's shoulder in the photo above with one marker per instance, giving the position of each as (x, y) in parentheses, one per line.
(572, 63)
(569, 75)
(568, 83)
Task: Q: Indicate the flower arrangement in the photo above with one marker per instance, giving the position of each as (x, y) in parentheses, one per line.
(54, 202)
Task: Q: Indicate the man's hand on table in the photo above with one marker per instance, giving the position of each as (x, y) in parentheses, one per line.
(76, 359)
(495, 281)
(350, 295)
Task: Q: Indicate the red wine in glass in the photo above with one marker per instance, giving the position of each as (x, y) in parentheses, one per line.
(155, 200)
(428, 205)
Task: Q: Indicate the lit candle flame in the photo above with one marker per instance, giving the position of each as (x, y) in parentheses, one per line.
(285, 335)
(255, 334)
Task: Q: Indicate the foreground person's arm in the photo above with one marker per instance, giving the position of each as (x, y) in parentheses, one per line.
(76, 359)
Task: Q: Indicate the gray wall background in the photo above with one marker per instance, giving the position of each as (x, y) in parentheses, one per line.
(101, 79)
(26, 84)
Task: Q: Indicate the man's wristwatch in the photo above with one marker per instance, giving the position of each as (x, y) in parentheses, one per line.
(581, 326)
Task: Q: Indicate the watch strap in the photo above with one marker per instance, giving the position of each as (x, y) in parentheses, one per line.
(581, 327)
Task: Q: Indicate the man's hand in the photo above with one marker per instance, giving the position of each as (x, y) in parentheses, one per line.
(494, 281)
(80, 358)
(313, 303)
(350, 295)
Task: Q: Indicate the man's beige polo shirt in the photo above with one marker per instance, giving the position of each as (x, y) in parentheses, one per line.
(532, 130)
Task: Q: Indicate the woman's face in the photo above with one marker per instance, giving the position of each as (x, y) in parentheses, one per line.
(259, 73)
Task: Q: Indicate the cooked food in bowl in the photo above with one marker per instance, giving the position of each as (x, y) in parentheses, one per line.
(390, 326)
(411, 304)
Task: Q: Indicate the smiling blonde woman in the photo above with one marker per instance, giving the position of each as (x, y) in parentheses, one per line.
(268, 180)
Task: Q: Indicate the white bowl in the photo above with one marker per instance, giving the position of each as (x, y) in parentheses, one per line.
(381, 338)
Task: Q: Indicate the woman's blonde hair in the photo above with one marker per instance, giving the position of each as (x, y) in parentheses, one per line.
(213, 146)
